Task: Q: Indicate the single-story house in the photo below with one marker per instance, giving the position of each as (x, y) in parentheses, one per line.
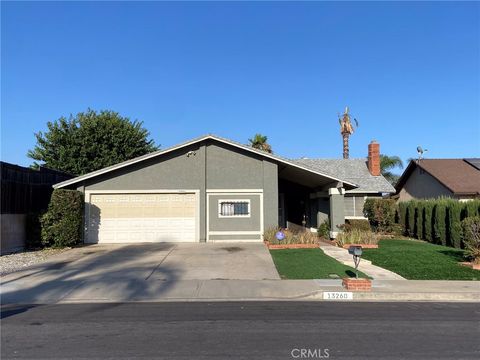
(433, 178)
(214, 189)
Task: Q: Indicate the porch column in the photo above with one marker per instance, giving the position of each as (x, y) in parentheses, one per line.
(337, 214)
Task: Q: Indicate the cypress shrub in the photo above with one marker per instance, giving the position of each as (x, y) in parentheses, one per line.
(411, 217)
(420, 226)
(428, 220)
(402, 216)
(454, 213)
(470, 209)
(439, 222)
(62, 223)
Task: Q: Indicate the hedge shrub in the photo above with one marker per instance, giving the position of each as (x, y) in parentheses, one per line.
(454, 228)
(438, 221)
(380, 213)
(402, 216)
(62, 223)
(419, 221)
(428, 206)
(411, 218)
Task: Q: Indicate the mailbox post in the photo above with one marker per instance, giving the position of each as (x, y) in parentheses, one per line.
(356, 252)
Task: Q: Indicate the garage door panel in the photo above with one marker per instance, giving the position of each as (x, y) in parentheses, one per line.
(118, 218)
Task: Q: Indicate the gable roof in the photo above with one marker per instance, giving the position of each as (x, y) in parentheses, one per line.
(460, 176)
(353, 170)
(197, 140)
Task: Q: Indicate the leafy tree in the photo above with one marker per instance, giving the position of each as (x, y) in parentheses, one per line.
(387, 164)
(90, 141)
(259, 142)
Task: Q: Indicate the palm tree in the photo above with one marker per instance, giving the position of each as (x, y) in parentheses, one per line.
(346, 129)
(259, 142)
(388, 163)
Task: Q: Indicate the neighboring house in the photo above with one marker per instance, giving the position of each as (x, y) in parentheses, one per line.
(433, 178)
(213, 189)
(24, 191)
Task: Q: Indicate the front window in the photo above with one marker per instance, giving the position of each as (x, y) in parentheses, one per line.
(234, 208)
(354, 206)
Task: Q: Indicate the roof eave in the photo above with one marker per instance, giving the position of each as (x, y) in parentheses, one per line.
(194, 141)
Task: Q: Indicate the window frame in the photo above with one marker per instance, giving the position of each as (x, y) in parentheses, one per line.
(249, 208)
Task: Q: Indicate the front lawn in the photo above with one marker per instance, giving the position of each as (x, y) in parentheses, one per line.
(418, 260)
(309, 264)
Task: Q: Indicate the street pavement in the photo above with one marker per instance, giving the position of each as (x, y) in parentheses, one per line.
(241, 330)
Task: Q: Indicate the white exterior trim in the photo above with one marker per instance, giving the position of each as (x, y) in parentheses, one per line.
(336, 191)
(235, 232)
(236, 191)
(235, 240)
(89, 193)
(191, 142)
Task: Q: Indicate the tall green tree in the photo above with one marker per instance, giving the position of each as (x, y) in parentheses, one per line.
(389, 163)
(259, 142)
(90, 141)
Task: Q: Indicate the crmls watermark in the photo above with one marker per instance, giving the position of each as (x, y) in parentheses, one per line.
(304, 353)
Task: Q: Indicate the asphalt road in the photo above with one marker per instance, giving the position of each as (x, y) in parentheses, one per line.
(248, 330)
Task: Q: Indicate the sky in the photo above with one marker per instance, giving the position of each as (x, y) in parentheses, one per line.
(410, 72)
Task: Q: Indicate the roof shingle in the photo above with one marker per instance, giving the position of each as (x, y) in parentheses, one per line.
(353, 170)
(458, 175)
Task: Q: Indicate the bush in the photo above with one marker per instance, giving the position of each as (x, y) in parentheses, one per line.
(411, 218)
(380, 213)
(454, 214)
(357, 224)
(63, 222)
(419, 222)
(356, 236)
(402, 216)
(439, 222)
(33, 231)
(428, 220)
(291, 236)
(324, 229)
(471, 208)
(471, 238)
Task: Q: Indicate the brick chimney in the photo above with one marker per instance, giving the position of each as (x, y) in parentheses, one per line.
(374, 158)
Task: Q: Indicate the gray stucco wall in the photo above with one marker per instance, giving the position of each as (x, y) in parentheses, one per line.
(421, 185)
(218, 223)
(214, 166)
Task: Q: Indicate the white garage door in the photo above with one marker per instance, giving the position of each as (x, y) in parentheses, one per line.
(120, 218)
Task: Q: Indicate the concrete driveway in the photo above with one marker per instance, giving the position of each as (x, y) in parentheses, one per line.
(139, 272)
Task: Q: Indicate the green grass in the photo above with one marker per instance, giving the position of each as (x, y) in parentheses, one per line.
(309, 264)
(418, 260)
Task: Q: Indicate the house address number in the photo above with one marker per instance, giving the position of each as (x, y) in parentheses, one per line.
(337, 295)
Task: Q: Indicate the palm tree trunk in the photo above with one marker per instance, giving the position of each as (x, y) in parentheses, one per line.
(345, 145)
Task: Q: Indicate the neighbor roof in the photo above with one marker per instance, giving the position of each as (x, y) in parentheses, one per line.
(460, 176)
(200, 139)
(353, 170)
